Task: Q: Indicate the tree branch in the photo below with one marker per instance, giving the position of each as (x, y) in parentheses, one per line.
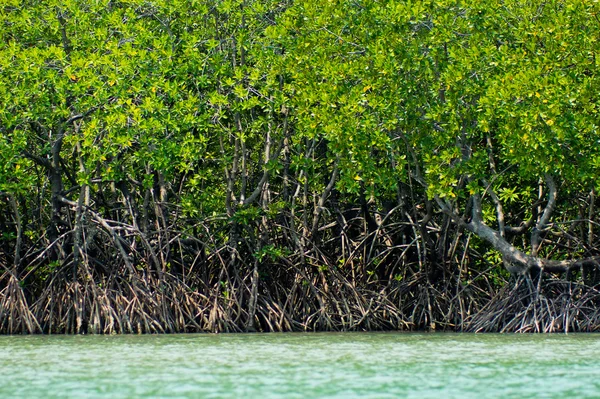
(515, 260)
(499, 208)
(542, 223)
(321, 204)
(265, 176)
(38, 160)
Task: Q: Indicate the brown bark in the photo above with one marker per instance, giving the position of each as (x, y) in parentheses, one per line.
(516, 260)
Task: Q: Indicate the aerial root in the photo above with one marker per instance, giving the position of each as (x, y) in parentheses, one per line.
(559, 306)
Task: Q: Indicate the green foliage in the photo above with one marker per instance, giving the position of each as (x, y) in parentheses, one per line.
(441, 77)
(271, 252)
(219, 117)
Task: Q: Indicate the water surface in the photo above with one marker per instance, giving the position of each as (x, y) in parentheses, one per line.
(321, 365)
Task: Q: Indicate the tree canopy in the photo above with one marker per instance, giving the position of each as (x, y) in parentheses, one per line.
(283, 165)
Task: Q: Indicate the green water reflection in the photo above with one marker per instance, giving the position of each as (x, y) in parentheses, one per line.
(365, 365)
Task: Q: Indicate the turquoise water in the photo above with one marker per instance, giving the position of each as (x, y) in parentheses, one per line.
(321, 365)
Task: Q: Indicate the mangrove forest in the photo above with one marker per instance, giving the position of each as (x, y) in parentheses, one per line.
(299, 165)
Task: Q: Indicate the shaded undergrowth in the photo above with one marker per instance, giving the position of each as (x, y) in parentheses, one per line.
(106, 276)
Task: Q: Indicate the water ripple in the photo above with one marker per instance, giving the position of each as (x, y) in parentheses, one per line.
(323, 365)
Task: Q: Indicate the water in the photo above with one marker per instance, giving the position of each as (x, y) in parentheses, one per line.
(325, 365)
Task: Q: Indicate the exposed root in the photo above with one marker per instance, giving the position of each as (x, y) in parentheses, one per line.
(15, 315)
(559, 306)
(386, 278)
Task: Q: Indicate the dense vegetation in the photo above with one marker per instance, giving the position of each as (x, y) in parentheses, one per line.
(241, 165)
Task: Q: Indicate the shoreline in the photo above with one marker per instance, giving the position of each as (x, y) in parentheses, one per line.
(175, 308)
